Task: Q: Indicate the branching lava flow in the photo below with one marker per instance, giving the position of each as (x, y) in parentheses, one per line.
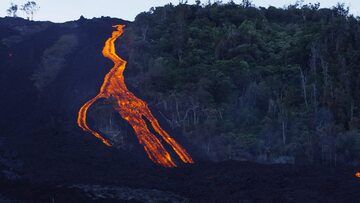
(132, 109)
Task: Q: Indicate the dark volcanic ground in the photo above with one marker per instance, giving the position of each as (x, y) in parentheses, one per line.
(45, 157)
(207, 182)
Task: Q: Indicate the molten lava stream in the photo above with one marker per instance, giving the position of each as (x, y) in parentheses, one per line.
(357, 174)
(132, 109)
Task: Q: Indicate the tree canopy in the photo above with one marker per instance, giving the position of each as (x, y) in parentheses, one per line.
(260, 82)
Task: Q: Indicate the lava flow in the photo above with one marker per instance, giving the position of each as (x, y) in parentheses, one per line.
(132, 109)
(357, 174)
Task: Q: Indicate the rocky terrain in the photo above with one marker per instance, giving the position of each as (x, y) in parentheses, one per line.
(222, 182)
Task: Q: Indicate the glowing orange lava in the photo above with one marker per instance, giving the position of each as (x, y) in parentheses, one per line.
(357, 174)
(132, 109)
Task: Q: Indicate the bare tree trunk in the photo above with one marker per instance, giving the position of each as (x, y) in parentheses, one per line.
(180, 56)
(220, 114)
(325, 68)
(282, 116)
(314, 56)
(352, 107)
(164, 16)
(144, 32)
(303, 81)
(315, 95)
(194, 114)
(283, 133)
(177, 109)
(110, 120)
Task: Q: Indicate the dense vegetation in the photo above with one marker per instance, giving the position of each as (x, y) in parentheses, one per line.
(242, 82)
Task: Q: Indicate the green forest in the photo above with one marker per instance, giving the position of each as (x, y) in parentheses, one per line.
(241, 82)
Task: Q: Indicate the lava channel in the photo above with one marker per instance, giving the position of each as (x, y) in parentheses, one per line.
(132, 109)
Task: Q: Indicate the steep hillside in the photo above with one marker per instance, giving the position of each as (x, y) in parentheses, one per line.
(239, 82)
(48, 73)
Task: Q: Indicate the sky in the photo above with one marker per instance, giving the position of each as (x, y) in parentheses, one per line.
(67, 10)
